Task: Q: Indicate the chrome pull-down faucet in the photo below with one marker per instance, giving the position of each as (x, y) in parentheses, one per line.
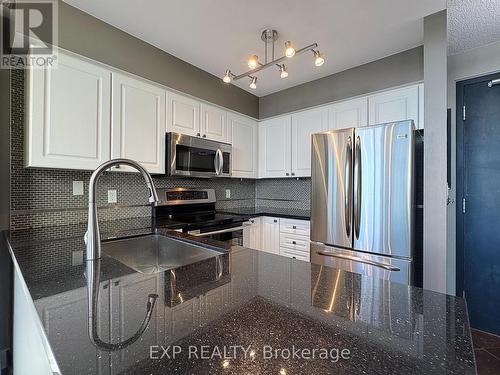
(93, 266)
(93, 237)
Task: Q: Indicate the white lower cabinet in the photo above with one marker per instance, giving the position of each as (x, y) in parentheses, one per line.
(252, 234)
(295, 239)
(242, 134)
(270, 231)
(287, 237)
(139, 122)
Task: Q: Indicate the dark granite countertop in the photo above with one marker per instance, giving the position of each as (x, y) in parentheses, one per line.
(288, 213)
(247, 312)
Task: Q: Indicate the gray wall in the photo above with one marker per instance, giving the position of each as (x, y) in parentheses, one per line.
(435, 157)
(473, 63)
(399, 69)
(81, 33)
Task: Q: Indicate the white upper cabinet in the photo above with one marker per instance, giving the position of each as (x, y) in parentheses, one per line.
(304, 124)
(348, 114)
(396, 105)
(213, 123)
(275, 147)
(183, 115)
(69, 115)
(242, 134)
(139, 125)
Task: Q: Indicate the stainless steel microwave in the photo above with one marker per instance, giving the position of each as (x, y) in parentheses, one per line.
(197, 157)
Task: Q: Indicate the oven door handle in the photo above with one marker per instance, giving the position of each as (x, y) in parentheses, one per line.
(360, 260)
(228, 230)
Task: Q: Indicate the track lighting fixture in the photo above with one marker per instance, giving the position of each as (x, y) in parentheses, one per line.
(269, 37)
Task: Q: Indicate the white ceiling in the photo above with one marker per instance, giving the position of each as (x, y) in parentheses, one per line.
(218, 34)
(472, 23)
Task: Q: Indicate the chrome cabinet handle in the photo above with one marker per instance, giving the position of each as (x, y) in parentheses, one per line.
(357, 187)
(361, 260)
(348, 188)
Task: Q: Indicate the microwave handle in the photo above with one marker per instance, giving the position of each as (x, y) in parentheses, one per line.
(218, 162)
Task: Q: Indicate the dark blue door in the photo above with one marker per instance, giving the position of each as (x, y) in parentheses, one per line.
(481, 209)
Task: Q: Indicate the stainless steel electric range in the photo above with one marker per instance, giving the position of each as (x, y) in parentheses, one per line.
(193, 212)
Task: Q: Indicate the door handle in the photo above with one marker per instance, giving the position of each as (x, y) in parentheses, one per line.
(385, 266)
(348, 187)
(357, 186)
(221, 161)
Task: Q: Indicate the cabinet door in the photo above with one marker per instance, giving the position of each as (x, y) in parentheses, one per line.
(270, 231)
(69, 116)
(348, 114)
(183, 115)
(242, 134)
(251, 234)
(129, 295)
(275, 147)
(394, 105)
(213, 123)
(304, 124)
(139, 122)
(69, 337)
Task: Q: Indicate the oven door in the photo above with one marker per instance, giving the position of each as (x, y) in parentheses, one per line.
(195, 157)
(232, 235)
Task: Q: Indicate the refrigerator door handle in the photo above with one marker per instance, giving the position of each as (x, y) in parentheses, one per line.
(359, 259)
(348, 187)
(357, 186)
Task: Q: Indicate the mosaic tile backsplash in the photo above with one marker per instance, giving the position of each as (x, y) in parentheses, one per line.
(43, 197)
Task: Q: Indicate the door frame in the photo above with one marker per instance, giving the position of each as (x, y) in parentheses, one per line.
(460, 139)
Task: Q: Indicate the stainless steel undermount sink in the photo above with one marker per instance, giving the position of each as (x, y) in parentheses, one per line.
(155, 253)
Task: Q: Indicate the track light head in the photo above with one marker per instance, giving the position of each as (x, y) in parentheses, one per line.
(253, 83)
(253, 61)
(227, 76)
(319, 59)
(283, 71)
(289, 50)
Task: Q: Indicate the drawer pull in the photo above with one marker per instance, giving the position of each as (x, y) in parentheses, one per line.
(275, 220)
(294, 227)
(295, 243)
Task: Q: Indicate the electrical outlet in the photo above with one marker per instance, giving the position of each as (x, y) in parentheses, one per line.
(228, 193)
(77, 258)
(112, 196)
(77, 187)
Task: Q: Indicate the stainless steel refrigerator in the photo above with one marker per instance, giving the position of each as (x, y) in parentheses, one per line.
(362, 200)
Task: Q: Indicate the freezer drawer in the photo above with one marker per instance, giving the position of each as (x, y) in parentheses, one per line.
(387, 268)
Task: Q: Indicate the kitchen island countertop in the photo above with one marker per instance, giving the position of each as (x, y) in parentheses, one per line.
(249, 312)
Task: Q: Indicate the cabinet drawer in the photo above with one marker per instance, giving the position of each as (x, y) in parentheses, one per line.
(293, 226)
(295, 242)
(296, 254)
